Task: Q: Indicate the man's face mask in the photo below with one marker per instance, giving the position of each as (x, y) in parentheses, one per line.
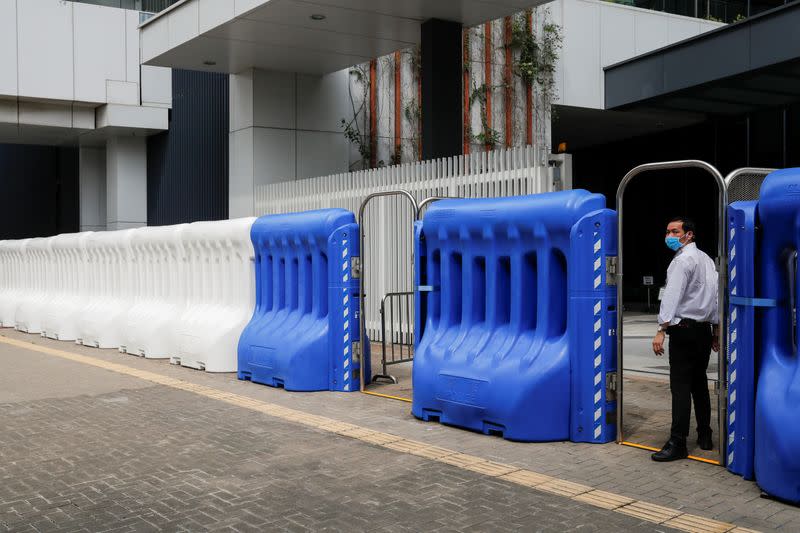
(673, 243)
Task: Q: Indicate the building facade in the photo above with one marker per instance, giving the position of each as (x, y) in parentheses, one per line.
(163, 111)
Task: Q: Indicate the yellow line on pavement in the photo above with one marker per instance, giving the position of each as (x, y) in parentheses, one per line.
(379, 395)
(540, 482)
(652, 449)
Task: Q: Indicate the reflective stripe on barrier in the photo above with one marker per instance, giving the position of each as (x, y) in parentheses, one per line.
(777, 433)
(741, 369)
(592, 302)
(305, 325)
(518, 338)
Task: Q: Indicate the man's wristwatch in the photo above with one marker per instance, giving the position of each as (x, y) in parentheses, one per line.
(662, 329)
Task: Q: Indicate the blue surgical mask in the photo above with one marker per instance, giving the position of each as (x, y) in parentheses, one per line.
(673, 243)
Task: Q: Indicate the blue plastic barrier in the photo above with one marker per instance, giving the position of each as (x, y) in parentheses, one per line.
(306, 316)
(777, 431)
(515, 319)
(741, 348)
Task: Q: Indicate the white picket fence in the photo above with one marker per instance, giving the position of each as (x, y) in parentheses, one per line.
(388, 221)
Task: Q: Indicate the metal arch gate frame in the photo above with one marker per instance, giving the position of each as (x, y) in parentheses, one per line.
(362, 321)
(722, 259)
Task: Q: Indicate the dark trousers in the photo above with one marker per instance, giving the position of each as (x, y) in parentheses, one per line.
(689, 351)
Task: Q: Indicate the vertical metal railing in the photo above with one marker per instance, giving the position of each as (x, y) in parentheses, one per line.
(397, 332)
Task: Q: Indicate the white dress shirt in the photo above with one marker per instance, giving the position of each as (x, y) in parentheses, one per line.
(692, 288)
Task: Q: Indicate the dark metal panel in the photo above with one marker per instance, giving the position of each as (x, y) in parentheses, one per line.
(441, 58)
(775, 38)
(67, 193)
(730, 56)
(727, 54)
(187, 166)
(38, 191)
(636, 81)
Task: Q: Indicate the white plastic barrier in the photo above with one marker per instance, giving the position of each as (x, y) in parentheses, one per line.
(157, 259)
(9, 284)
(38, 273)
(12, 298)
(219, 283)
(109, 287)
(182, 292)
(61, 317)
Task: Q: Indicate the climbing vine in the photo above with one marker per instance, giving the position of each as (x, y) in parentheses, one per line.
(412, 110)
(538, 54)
(532, 50)
(488, 136)
(534, 53)
(356, 129)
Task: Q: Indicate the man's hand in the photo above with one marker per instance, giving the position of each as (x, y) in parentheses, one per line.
(658, 343)
(715, 339)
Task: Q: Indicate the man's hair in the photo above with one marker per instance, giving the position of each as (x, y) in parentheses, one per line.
(688, 224)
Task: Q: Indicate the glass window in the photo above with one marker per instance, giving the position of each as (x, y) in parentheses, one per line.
(152, 6)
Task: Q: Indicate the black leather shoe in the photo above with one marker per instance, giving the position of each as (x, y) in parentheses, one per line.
(672, 451)
(705, 441)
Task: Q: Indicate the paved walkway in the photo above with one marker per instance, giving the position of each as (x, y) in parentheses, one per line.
(94, 440)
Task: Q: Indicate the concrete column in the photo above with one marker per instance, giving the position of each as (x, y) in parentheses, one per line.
(92, 188)
(284, 126)
(126, 182)
(262, 136)
(240, 145)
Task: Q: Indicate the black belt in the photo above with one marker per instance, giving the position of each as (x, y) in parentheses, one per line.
(689, 323)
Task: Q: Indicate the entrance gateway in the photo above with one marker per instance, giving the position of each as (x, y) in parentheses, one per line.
(744, 184)
(397, 314)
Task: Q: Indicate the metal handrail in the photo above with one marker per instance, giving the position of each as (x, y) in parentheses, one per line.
(722, 259)
(746, 170)
(362, 323)
(424, 203)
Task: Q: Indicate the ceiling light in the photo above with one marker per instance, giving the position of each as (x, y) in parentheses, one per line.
(317, 16)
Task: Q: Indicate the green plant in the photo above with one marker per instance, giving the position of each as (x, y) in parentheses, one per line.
(524, 41)
(355, 129)
(412, 110)
(538, 55)
(739, 18)
(487, 136)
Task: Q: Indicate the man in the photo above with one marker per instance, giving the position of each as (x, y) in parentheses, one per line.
(689, 315)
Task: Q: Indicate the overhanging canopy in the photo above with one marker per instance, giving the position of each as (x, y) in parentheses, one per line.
(734, 70)
(290, 35)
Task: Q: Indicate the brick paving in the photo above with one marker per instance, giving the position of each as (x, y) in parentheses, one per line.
(648, 417)
(160, 459)
(191, 430)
